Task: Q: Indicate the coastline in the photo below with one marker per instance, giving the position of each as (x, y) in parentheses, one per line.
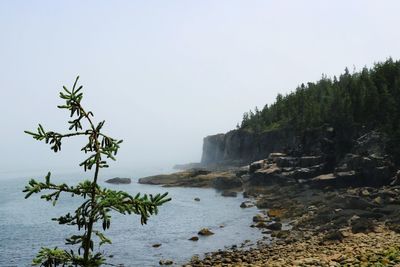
(345, 226)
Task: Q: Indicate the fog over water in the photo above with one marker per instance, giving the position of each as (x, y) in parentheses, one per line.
(165, 74)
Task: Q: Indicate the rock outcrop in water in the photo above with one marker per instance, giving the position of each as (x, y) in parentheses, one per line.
(196, 178)
(118, 180)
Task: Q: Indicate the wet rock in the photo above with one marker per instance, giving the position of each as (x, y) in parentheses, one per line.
(118, 180)
(258, 218)
(274, 226)
(166, 262)
(205, 232)
(261, 225)
(245, 205)
(194, 238)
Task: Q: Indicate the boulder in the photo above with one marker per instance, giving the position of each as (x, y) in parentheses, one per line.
(374, 170)
(269, 176)
(260, 225)
(362, 225)
(196, 199)
(258, 218)
(245, 205)
(333, 235)
(118, 180)
(194, 238)
(276, 226)
(205, 232)
(166, 262)
(257, 165)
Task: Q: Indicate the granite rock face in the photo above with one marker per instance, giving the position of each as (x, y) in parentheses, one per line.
(239, 147)
(321, 157)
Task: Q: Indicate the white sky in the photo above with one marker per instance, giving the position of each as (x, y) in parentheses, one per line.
(165, 74)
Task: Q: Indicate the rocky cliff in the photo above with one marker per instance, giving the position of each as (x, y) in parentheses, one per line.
(321, 156)
(240, 147)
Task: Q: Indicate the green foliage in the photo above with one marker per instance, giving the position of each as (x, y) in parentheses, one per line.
(97, 203)
(368, 98)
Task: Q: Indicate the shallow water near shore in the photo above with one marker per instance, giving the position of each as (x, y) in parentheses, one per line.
(26, 226)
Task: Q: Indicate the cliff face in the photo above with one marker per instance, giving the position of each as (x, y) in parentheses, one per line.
(239, 146)
(242, 147)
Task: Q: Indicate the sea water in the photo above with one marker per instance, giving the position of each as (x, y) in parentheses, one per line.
(26, 226)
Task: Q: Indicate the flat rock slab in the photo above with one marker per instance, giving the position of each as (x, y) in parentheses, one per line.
(118, 180)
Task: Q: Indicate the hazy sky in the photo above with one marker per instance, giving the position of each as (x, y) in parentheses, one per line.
(164, 74)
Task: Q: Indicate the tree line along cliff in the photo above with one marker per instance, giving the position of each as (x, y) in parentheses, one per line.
(325, 116)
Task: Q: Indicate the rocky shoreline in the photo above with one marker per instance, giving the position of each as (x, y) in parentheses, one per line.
(316, 209)
(346, 227)
(343, 226)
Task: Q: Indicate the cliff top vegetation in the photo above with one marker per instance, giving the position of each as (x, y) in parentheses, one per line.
(368, 98)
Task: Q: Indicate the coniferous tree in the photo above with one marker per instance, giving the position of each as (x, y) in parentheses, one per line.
(370, 98)
(93, 216)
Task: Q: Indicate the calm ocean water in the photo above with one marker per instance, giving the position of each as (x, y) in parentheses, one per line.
(25, 225)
